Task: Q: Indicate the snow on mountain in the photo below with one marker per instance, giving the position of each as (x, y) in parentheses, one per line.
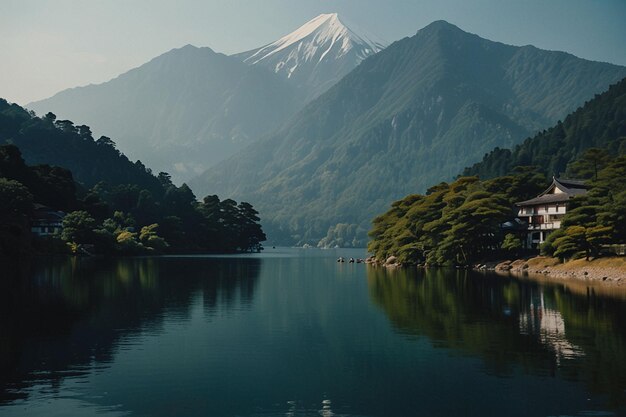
(316, 55)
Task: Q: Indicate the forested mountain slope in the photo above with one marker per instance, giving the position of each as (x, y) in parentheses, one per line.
(599, 123)
(60, 143)
(409, 116)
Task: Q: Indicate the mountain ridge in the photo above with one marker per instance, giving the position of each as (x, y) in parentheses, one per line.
(181, 111)
(598, 123)
(409, 116)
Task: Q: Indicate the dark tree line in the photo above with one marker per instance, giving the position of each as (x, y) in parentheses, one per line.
(461, 222)
(453, 224)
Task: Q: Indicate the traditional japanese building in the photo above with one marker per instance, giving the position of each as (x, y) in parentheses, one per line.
(45, 221)
(544, 213)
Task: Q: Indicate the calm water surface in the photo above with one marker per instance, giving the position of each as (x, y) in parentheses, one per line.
(294, 333)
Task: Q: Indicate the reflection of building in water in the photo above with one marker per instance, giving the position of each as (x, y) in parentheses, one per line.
(293, 411)
(326, 411)
(549, 325)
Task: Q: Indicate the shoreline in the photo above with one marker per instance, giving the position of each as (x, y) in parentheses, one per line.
(606, 271)
(609, 271)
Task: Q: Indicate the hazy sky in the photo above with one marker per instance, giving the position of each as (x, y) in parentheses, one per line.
(50, 45)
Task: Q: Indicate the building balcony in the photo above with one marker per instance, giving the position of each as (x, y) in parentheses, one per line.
(542, 211)
(545, 226)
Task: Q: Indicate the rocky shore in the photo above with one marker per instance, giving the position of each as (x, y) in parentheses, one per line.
(607, 270)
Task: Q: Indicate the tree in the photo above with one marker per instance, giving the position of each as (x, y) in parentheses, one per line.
(511, 243)
(165, 179)
(251, 233)
(66, 126)
(106, 141)
(78, 227)
(84, 132)
(15, 199)
(127, 243)
(50, 117)
(589, 164)
(149, 238)
(571, 244)
(579, 240)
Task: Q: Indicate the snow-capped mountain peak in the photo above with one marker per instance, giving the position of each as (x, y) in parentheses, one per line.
(317, 54)
(316, 38)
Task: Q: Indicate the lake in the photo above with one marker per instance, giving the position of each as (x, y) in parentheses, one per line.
(291, 332)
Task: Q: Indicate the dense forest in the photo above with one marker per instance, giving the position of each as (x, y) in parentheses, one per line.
(457, 223)
(600, 123)
(47, 140)
(462, 222)
(113, 205)
(597, 218)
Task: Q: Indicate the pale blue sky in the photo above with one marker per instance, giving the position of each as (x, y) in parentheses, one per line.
(50, 45)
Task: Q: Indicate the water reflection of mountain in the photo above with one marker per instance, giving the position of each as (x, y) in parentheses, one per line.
(61, 317)
(511, 325)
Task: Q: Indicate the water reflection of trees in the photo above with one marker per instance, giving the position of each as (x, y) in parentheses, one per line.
(511, 325)
(60, 317)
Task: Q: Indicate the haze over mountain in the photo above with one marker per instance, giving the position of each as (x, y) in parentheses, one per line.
(182, 111)
(316, 55)
(406, 118)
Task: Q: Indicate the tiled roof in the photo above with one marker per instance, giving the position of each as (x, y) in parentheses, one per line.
(572, 183)
(545, 199)
(569, 188)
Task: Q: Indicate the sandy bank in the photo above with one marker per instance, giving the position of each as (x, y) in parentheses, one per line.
(610, 271)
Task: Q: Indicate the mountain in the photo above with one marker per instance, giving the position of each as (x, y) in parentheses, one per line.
(599, 123)
(61, 144)
(316, 55)
(183, 111)
(407, 117)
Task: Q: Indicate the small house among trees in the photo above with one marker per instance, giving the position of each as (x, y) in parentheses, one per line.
(46, 221)
(543, 214)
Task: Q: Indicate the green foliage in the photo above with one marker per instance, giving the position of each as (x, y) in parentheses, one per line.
(51, 186)
(149, 238)
(127, 243)
(511, 243)
(16, 202)
(107, 211)
(571, 243)
(455, 223)
(597, 218)
(548, 247)
(343, 235)
(589, 163)
(78, 227)
(60, 143)
(14, 198)
(460, 223)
